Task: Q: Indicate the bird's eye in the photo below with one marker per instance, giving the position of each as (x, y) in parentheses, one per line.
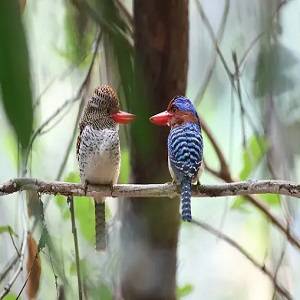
(173, 109)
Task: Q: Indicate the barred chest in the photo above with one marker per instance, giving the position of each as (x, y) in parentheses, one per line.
(99, 155)
(185, 151)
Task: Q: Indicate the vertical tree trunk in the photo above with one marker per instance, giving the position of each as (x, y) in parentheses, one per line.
(150, 226)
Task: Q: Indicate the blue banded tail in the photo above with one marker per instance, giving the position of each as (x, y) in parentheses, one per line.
(186, 194)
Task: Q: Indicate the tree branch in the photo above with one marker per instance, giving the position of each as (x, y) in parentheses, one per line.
(281, 187)
(245, 188)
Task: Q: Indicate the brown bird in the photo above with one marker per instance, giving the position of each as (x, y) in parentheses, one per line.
(98, 148)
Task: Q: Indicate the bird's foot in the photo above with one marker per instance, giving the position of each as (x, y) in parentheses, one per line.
(198, 184)
(173, 182)
(111, 186)
(86, 183)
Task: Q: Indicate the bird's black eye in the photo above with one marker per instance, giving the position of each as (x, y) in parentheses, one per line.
(173, 108)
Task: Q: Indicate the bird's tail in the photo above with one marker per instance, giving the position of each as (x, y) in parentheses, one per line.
(100, 225)
(186, 194)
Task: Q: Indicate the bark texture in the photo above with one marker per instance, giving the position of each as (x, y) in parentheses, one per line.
(150, 227)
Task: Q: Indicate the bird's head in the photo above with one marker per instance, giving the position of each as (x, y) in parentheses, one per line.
(104, 104)
(180, 110)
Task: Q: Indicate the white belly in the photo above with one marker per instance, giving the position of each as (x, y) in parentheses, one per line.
(102, 169)
(99, 156)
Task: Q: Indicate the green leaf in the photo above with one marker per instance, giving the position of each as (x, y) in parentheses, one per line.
(240, 201)
(8, 229)
(14, 72)
(252, 155)
(104, 292)
(184, 290)
(63, 207)
(271, 199)
(10, 297)
(85, 214)
(72, 177)
(273, 64)
(125, 167)
(79, 34)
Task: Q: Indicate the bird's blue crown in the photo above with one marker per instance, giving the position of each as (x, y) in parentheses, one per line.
(184, 104)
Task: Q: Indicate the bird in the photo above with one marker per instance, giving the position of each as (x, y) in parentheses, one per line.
(185, 147)
(98, 148)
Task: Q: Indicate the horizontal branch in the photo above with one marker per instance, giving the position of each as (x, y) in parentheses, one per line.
(281, 187)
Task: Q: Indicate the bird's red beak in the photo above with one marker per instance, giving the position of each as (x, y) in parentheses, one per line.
(161, 119)
(123, 117)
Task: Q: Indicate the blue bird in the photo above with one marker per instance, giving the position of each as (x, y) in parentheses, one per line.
(185, 147)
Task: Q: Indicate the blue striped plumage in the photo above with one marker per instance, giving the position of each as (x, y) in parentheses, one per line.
(185, 150)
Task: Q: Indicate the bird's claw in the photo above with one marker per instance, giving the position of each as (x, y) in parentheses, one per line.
(198, 184)
(86, 183)
(111, 186)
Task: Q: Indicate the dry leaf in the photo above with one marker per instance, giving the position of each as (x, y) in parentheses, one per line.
(33, 267)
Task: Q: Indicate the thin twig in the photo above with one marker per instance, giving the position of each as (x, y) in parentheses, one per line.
(47, 121)
(48, 255)
(9, 266)
(278, 266)
(7, 288)
(239, 94)
(224, 168)
(64, 74)
(263, 268)
(74, 231)
(214, 56)
(261, 206)
(13, 242)
(213, 37)
(250, 47)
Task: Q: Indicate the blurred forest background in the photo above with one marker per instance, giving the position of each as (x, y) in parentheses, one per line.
(239, 63)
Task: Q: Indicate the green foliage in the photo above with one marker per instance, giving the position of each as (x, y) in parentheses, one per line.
(103, 292)
(184, 291)
(125, 167)
(252, 155)
(7, 229)
(10, 297)
(240, 201)
(85, 214)
(12, 148)
(14, 72)
(79, 34)
(272, 67)
(117, 35)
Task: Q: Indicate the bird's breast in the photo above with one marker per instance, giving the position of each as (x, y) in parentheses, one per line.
(99, 156)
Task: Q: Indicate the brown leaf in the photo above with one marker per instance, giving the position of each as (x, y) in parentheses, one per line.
(22, 4)
(33, 268)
